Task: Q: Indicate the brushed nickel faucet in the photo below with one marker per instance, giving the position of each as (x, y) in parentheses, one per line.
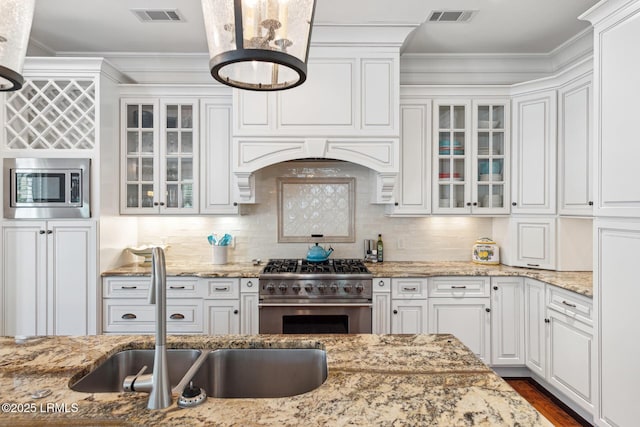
(156, 384)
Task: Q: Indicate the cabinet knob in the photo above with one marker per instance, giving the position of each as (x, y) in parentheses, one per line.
(514, 204)
(42, 231)
(249, 284)
(475, 203)
(468, 203)
(495, 288)
(590, 203)
(547, 321)
(155, 203)
(161, 203)
(177, 316)
(381, 283)
(396, 204)
(235, 311)
(395, 311)
(235, 203)
(488, 310)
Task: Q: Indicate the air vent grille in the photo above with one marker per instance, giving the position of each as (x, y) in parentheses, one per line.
(451, 16)
(158, 15)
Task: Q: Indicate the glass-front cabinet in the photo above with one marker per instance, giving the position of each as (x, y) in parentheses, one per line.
(160, 156)
(470, 168)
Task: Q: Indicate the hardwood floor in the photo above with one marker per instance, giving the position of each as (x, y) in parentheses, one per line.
(543, 401)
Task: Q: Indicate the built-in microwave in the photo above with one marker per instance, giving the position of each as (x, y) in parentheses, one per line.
(47, 188)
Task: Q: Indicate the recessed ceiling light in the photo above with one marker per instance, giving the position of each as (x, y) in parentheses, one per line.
(451, 15)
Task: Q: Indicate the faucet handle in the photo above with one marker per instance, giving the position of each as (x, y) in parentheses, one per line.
(129, 380)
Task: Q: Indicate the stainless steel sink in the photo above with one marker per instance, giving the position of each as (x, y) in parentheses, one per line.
(261, 372)
(109, 375)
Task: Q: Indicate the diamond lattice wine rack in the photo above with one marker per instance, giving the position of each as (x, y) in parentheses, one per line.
(52, 114)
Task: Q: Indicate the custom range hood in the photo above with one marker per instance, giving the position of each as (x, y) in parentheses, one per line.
(348, 109)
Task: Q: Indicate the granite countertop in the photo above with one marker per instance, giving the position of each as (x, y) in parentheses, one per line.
(373, 380)
(577, 281)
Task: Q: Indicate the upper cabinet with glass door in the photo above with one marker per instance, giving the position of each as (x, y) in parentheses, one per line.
(490, 154)
(470, 167)
(451, 191)
(160, 147)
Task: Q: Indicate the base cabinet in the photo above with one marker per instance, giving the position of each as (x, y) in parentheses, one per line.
(249, 299)
(507, 321)
(409, 306)
(461, 306)
(222, 317)
(49, 277)
(535, 327)
(381, 312)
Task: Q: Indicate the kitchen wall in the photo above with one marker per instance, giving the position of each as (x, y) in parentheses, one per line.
(406, 239)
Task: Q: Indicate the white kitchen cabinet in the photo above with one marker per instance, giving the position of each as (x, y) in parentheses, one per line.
(49, 277)
(535, 327)
(409, 305)
(471, 153)
(126, 310)
(534, 153)
(507, 321)
(412, 194)
(222, 305)
(217, 190)
(534, 242)
(249, 299)
(381, 312)
(461, 306)
(159, 155)
(575, 142)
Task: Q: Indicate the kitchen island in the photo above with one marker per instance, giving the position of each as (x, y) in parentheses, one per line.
(373, 380)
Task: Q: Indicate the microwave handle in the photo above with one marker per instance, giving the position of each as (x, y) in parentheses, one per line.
(74, 179)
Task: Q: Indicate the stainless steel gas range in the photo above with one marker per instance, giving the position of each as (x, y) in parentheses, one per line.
(302, 297)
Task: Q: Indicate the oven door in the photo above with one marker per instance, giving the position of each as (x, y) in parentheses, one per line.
(315, 318)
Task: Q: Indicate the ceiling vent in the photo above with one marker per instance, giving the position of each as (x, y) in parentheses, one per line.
(158, 15)
(451, 16)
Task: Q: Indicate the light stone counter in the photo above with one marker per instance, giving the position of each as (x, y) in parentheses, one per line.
(373, 380)
(576, 281)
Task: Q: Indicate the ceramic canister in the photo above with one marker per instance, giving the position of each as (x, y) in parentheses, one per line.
(485, 251)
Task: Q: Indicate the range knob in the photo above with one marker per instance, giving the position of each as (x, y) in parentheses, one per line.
(347, 288)
(334, 288)
(282, 287)
(308, 287)
(270, 287)
(296, 288)
(359, 287)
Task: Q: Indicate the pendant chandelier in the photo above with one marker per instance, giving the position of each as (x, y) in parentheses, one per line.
(16, 17)
(259, 44)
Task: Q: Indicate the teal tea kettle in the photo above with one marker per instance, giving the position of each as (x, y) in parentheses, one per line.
(317, 253)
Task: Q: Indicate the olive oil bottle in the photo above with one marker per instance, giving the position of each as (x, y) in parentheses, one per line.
(380, 247)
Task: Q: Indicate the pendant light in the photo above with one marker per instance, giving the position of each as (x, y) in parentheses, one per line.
(259, 44)
(16, 17)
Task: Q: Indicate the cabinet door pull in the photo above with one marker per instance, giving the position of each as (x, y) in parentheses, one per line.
(129, 316)
(547, 321)
(249, 284)
(42, 231)
(235, 311)
(458, 287)
(155, 203)
(495, 288)
(128, 287)
(49, 231)
(177, 316)
(413, 289)
(568, 304)
(590, 203)
(381, 283)
(514, 204)
(488, 310)
(226, 288)
(395, 311)
(533, 265)
(176, 287)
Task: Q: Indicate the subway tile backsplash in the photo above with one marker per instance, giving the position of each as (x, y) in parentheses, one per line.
(256, 235)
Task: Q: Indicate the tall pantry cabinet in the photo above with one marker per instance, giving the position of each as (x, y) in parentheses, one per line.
(616, 209)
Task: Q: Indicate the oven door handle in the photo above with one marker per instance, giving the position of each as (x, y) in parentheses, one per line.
(314, 305)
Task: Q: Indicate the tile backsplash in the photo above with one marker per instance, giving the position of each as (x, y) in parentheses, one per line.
(256, 235)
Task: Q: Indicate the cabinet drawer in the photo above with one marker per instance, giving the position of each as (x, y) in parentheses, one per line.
(457, 287)
(222, 288)
(138, 287)
(409, 288)
(249, 285)
(381, 285)
(126, 287)
(135, 316)
(573, 305)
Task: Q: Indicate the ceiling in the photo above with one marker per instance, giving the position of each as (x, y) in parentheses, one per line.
(100, 27)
